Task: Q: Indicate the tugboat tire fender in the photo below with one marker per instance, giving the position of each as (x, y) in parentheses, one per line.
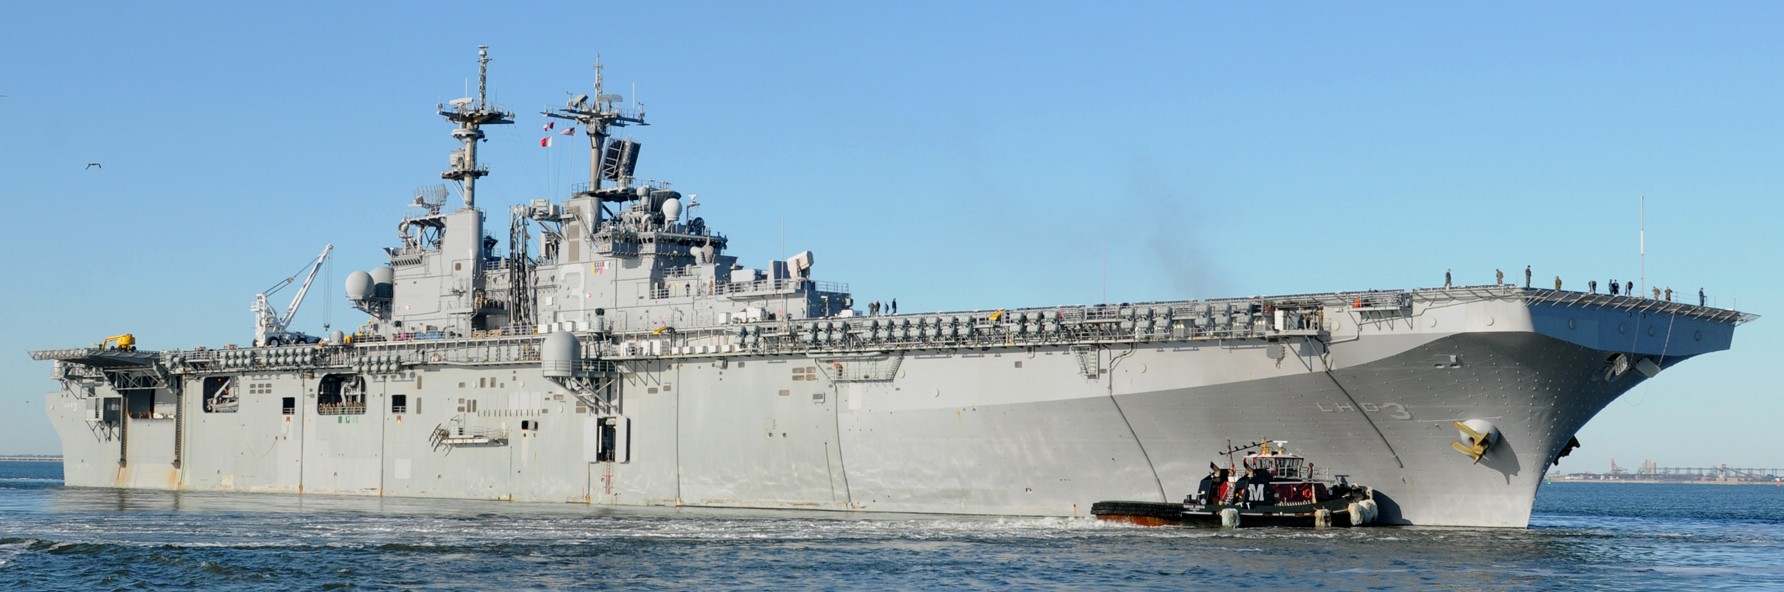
(1362, 512)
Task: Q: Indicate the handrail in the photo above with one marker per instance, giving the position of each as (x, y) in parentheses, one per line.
(1637, 303)
(1216, 319)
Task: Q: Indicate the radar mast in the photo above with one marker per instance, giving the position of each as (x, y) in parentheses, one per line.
(469, 118)
(595, 118)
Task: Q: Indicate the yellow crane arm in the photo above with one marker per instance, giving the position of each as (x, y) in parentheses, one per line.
(126, 342)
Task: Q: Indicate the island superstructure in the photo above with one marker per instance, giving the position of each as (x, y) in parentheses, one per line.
(614, 354)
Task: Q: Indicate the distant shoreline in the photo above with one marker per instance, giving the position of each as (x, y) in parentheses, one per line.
(1659, 482)
(28, 458)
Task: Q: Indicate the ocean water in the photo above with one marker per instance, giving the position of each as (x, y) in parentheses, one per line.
(1584, 536)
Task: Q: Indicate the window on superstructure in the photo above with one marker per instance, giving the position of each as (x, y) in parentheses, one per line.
(399, 403)
(289, 406)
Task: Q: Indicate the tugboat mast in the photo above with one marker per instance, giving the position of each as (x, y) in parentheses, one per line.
(469, 119)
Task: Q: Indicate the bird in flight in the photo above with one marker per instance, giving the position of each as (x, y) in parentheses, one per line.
(94, 165)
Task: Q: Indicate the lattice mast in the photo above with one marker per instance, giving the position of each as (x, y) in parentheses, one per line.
(520, 271)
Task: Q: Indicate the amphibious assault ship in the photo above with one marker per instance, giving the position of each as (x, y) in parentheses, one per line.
(614, 354)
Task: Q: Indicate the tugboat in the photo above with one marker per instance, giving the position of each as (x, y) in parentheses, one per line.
(1269, 486)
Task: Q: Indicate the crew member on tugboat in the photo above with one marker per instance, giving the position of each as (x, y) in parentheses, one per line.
(1269, 485)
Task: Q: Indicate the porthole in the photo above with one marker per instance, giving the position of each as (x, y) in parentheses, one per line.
(1622, 328)
(1698, 336)
(1653, 331)
(1571, 323)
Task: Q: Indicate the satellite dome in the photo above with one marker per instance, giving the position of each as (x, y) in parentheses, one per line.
(671, 210)
(383, 279)
(359, 286)
(558, 356)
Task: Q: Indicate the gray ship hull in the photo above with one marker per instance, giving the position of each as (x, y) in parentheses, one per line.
(616, 354)
(1028, 426)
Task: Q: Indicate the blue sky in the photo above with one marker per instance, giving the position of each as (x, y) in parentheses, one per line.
(951, 155)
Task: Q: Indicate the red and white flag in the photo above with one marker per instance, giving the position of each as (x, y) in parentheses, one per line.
(545, 142)
(568, 131)
(549, 125)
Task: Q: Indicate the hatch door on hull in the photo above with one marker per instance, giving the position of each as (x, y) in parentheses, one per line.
(607, 439)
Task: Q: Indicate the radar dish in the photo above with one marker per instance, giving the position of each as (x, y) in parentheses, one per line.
(434, 193)
(610, 98)
(461, 102)
(431, 197)
(578, 101)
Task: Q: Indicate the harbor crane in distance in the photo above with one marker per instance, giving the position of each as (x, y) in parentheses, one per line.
(275, 330)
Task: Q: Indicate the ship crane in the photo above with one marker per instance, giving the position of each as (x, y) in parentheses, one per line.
(273, 330)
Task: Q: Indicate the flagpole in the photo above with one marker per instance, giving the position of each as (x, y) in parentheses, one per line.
(1644, 244)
